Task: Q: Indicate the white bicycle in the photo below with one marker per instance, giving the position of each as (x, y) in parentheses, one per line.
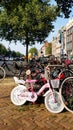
(20, 94)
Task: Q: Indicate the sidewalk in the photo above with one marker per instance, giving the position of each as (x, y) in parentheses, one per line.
(29, 117)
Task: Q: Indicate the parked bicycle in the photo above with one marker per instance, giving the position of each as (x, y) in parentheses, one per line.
(2, 73)
(35, 66)
(9, 67)
(22, 93)
(65, 88)
(66, 93)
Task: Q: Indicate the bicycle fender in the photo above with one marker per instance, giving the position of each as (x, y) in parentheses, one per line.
(46, 93)
(24, 87)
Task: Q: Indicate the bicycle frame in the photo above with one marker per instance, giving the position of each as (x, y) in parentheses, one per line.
(4, 64)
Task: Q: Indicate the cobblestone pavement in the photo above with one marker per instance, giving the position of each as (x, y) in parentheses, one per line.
(29, 116)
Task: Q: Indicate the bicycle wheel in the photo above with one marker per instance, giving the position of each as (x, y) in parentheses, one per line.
(53, 102)
(15, 98)
(66, 91)
(2, 73)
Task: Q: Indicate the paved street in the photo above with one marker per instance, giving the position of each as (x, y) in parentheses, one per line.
(29, 116)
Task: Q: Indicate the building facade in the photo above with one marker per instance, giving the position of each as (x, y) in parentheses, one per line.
(66, 46)
(69, 37)
(42, 51)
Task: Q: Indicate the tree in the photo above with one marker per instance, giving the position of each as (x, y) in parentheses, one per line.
(33, 51)
(8, 52)
(48, 49)
(26, 21)
(3, 50)
(65, 6)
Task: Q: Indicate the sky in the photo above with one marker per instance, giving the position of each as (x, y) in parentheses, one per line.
(22, 49)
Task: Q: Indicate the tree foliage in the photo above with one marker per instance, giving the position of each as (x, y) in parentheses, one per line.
(26, 20)
(33, 51)
(8, 52)
(3, 50)
(65, 6)
(48, 49)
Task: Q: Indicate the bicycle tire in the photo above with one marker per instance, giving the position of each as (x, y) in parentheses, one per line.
(66, 91)
(51, 105)
(2, 73)
(14, 96)
(66, 73)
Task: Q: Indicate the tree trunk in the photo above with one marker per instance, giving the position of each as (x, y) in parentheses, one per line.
(27, 44)
(27, 52)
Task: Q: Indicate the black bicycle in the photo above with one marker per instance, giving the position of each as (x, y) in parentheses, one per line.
(10, 68)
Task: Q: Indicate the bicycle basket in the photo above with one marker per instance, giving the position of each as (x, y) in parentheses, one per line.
(55, 83)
